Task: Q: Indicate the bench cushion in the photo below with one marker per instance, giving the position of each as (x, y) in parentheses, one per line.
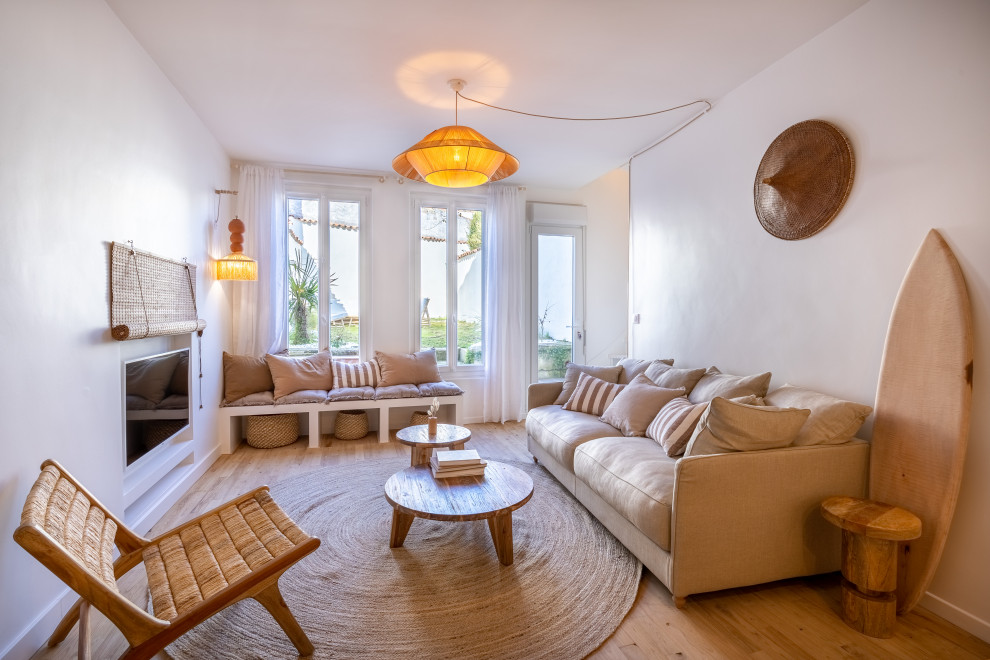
(441, 388)
(635, 477)
(303, 396)
(397, 392)
(561, 431)
(256, 399)
(363, 393)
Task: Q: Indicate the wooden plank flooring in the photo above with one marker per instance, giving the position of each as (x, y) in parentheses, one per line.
(789, 619)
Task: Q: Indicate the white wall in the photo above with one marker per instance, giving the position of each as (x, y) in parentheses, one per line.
(97, 146)
(908, 82)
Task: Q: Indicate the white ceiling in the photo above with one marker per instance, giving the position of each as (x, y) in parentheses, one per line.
(349, 84)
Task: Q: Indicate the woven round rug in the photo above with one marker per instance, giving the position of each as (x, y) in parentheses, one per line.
(444, 594)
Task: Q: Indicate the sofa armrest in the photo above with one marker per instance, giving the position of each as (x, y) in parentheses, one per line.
(752, 517)
(543, 394)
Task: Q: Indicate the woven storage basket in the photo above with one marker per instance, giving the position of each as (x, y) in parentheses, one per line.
(418, 417)
(351, 425)
(158, 431)
(269, 431)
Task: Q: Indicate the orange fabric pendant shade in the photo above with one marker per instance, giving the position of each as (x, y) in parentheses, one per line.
(237, 265)
(455, 157)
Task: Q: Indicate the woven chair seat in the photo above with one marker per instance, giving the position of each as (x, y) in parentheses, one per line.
(198, 561)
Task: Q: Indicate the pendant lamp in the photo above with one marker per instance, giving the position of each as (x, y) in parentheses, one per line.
(236, 265)
(455, 156)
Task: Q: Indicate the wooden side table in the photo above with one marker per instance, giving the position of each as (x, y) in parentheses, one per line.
(423, 444)
(871, 535)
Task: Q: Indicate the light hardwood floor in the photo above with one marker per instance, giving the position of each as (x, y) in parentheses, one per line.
(789, 619)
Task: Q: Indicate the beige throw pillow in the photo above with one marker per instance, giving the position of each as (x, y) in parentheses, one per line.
(728, 426)
(243, 375)
(362, 374)
(632, 367)
(714, 383)
(592, 395)
(832, 421)
(293, 374)
(632, 409)
(408, 368)
(608, 374)
(673, 378)
(675, 423)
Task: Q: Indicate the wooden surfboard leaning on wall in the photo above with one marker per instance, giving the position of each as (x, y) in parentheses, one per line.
(923, 408)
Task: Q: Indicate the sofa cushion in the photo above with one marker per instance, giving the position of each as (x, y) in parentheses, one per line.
(608, 374)
(632, 367)
(253, 399)
(560, 431)
(150, 379)
(674, 424)
(632, 409)
(180, 377)
(408, 368)
(347, 374)
(728, 426)
(442, 388)
(714, 383)
(244, 375)
(672, 378)
(291, 374)
(592, 395)
(303, 396)
(832, 421)
(403, 391)
(635, 477)
(351, 393)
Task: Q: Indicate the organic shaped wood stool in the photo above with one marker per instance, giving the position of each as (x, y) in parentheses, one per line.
(871, 536)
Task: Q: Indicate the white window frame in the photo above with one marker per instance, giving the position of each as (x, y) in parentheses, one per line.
(453, 204)
(326, 193)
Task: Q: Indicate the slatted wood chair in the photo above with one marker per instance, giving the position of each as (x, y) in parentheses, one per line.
(238, 550)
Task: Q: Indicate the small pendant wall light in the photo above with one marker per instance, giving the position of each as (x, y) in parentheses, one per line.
(236, 265)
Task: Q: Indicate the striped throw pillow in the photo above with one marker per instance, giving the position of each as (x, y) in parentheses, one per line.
(592, 395)
(674, 424)
(356, 375)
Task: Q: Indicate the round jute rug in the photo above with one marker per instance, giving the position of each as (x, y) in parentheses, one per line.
(444, 594)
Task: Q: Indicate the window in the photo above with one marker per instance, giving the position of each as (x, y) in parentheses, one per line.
(326, 281)
(450, 298)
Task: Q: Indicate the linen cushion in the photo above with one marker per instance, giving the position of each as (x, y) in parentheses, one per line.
(592, 395)
(634, 477)
(243, 375)
(727, 426)
(253, 399)
(303, 396)
(150, 379)
(673, 378)
(608, 374)
(832, 421)
(180, 377)
(632, 367)
(403, 391)
(293, 374)
(559, 432)
(355, 375)
(674, 424)
(351, 393)
(442, 388)
(408, 368)
(714, 383)
(632, 409)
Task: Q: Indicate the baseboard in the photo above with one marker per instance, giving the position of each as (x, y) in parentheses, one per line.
(968, 622)
(36, 634)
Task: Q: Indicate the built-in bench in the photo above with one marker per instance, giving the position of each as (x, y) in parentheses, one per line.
(231, 432)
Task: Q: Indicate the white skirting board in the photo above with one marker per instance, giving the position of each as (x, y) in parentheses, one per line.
(968, 622)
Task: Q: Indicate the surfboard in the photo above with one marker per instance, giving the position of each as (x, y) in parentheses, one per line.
(923, 408)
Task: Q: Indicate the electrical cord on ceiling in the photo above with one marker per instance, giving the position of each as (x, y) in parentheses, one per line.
(533, 114)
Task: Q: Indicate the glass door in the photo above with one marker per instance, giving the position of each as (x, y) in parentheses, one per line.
(558, 299)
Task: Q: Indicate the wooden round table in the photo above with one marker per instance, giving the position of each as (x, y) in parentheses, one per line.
(423, 444)
(414, 493)
(871, 532)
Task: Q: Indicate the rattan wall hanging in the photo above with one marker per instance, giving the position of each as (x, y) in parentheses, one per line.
(803, 180)
(151, 296)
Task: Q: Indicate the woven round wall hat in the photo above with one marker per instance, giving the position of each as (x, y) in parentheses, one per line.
(803, 180)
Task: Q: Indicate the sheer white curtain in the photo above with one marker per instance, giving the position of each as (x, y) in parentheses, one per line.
(504, 333)
(260, 308)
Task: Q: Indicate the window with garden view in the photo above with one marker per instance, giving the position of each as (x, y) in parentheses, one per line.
(324, 275)
(450, 300)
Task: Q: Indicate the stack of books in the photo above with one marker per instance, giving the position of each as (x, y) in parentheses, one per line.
(456, 463)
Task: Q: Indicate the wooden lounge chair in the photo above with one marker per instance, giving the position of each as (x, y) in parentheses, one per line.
(238, 550)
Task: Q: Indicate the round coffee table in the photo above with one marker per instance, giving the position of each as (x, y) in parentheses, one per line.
(423, 444)
(414, 493)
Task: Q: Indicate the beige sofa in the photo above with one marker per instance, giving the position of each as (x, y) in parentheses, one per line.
(700, 523)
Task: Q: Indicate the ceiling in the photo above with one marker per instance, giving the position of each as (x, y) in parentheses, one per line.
(349, 84)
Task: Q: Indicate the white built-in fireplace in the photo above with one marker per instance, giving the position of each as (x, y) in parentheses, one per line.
(157, 450)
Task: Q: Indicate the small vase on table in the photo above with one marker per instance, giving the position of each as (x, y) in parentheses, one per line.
(431, 421)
